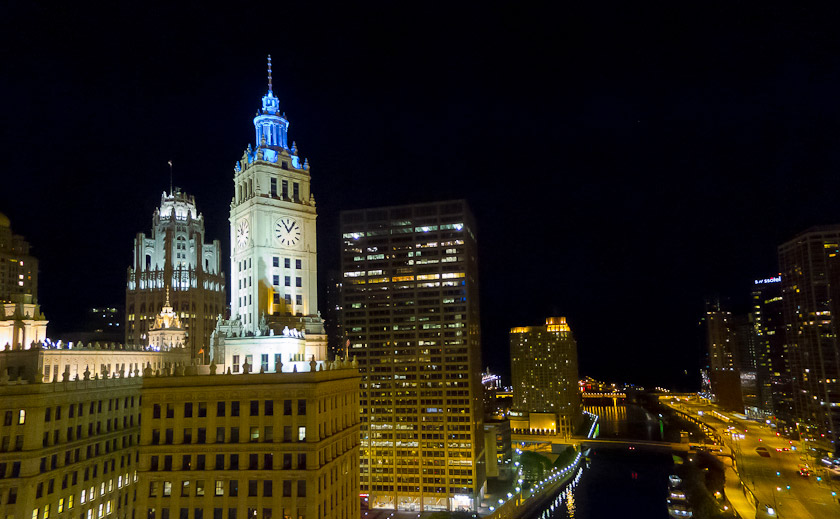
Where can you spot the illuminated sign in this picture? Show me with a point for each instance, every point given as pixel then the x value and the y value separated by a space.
pixel 776 279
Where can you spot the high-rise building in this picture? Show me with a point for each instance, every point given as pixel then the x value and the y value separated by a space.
pixel 411 315
pixel 810 268
pixel 772 350
pixel 18 269
pixel 723 357
pixel 544 369
pixel 175 258
pixel 274 272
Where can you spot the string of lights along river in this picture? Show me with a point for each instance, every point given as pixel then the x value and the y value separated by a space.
pixel 617 483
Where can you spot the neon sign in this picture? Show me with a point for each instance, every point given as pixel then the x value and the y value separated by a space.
pixel 775 279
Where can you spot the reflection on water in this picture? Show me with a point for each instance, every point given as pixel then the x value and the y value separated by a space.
pixel 616 482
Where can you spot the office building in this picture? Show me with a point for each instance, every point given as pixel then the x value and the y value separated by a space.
pixel 544 368
pixel 723 357
pixel 771 346
pixel 18 269
pixel 810 269
pixel 250 445
pixel 274 271
pixel 175 257
pixel 411 315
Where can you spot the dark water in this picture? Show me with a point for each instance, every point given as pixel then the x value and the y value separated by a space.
pixel 619 483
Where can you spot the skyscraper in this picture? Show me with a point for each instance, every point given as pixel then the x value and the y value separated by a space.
pixel 810 265
pixel 274 271
pixel 175 258
pixel 411 315
pixel 772 349
pixel 544 368
pixel 723 357
pixel 18 269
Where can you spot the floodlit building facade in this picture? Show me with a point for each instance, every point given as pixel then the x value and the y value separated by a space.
pixel 409 301
pixel 175 257
pixel 251 445
pixel 544 369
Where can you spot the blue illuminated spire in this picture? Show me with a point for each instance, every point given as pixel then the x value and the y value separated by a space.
pixel 269 123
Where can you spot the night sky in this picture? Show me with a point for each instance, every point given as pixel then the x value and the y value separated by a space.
pixel 623 162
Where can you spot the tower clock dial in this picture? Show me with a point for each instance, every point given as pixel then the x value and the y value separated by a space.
pixel 242 230
pixel 287 231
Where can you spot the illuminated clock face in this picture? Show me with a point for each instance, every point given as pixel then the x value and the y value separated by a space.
pixel 242 231
pixel 287 231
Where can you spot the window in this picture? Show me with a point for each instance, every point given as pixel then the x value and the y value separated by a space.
pixel 288 299
pixel 287 280
pixel 287 488
pixel 269 408
pixel 298 282
pixel 295 191
pixel 188 410
pixel 236 361
pixel 234 488
pixel 275 280
pixel 167 488
pixel 252 487
pixel 186 462
pixel 202 435
pixel 170 411
pixel 301 461
pixel 156 411
pixel 220 461
pixel 287 461
pixel 285 187
pixel 199 487
pixel 301 407
pixel 220 488
pixel 298 299
pixel 297 264
pixel 234 435
pixel 287 433
pixel 263 366
pixel 255 434
pixel 220 434
pixel 22 417
pixel 287 262
pixel 273 187
pixel 301 484
pixel 202 409
pixel 302 433
pixel 268 461
pixel 275 261
pixel 267 488
pixel 220 409
pixel 287 407
pixel 187 436
pixel 185 488
pixel 234 462
pixel 199 462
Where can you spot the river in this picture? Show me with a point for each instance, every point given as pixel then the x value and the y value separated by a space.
pixel 618 483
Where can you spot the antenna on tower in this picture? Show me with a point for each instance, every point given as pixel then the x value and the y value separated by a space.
pixel 170 178
pixel 269 73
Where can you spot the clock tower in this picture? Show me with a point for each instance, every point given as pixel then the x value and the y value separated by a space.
pixel 272 227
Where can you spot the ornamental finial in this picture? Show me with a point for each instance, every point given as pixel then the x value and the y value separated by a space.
pixel 269 73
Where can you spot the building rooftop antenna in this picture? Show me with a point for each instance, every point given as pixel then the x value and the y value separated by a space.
pixel 269 73
pixel 170 178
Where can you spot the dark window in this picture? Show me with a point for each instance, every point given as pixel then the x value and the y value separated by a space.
pixel 301 407
pixel 255 404
pixel 287 461
pixel 273 187
pixel 202 435
pixel 170 411
pixel 220 434
pixel 234 435
pixel 220 462
pixel 186 462
pixel 252 488
pixel 155 410
pixel 268 461
pixel 287 407
pixel 275 261
pixel 220 409
pixel 269 407
pixel 287 488
pixel 199 462
pixel 253 462
pixel 301 488
pixel 297 264
pixel 287 281
pixel 287 262
pixel 234 408
pixel 188 410
pixel 234 488
pixel 202 409
pixel 234 462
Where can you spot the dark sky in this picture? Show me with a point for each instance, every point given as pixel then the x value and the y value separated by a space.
pixel 623 161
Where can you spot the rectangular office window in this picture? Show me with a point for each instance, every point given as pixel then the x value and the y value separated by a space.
pixel 220 434
pixel 287 262
pixel 220 488
pixel 287 488
pixel 234 408
pixel 288 299
pixel 288 281
pixel 234 435
pixel 275 280
pixel 252 487
pixel 234 488
pixel 267 488
pixel 298 282
pixel 254 434
pixel 285 188
pixel 269 408
pixel 199 487
pixel 297 264
pixel 275 261
pixel 302 433
pixel 301 484
pixel 295 191
pixel 220 408
pixel 202 409
pixel 301 407
pixel 273 187
pixel 298 299
pixel 188 410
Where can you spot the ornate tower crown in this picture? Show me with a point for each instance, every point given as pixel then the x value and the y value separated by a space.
pixel 268 123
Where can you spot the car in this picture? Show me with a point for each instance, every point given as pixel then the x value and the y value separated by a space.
pixel 804 472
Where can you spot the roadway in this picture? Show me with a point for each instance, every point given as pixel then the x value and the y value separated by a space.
pixel 773 476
